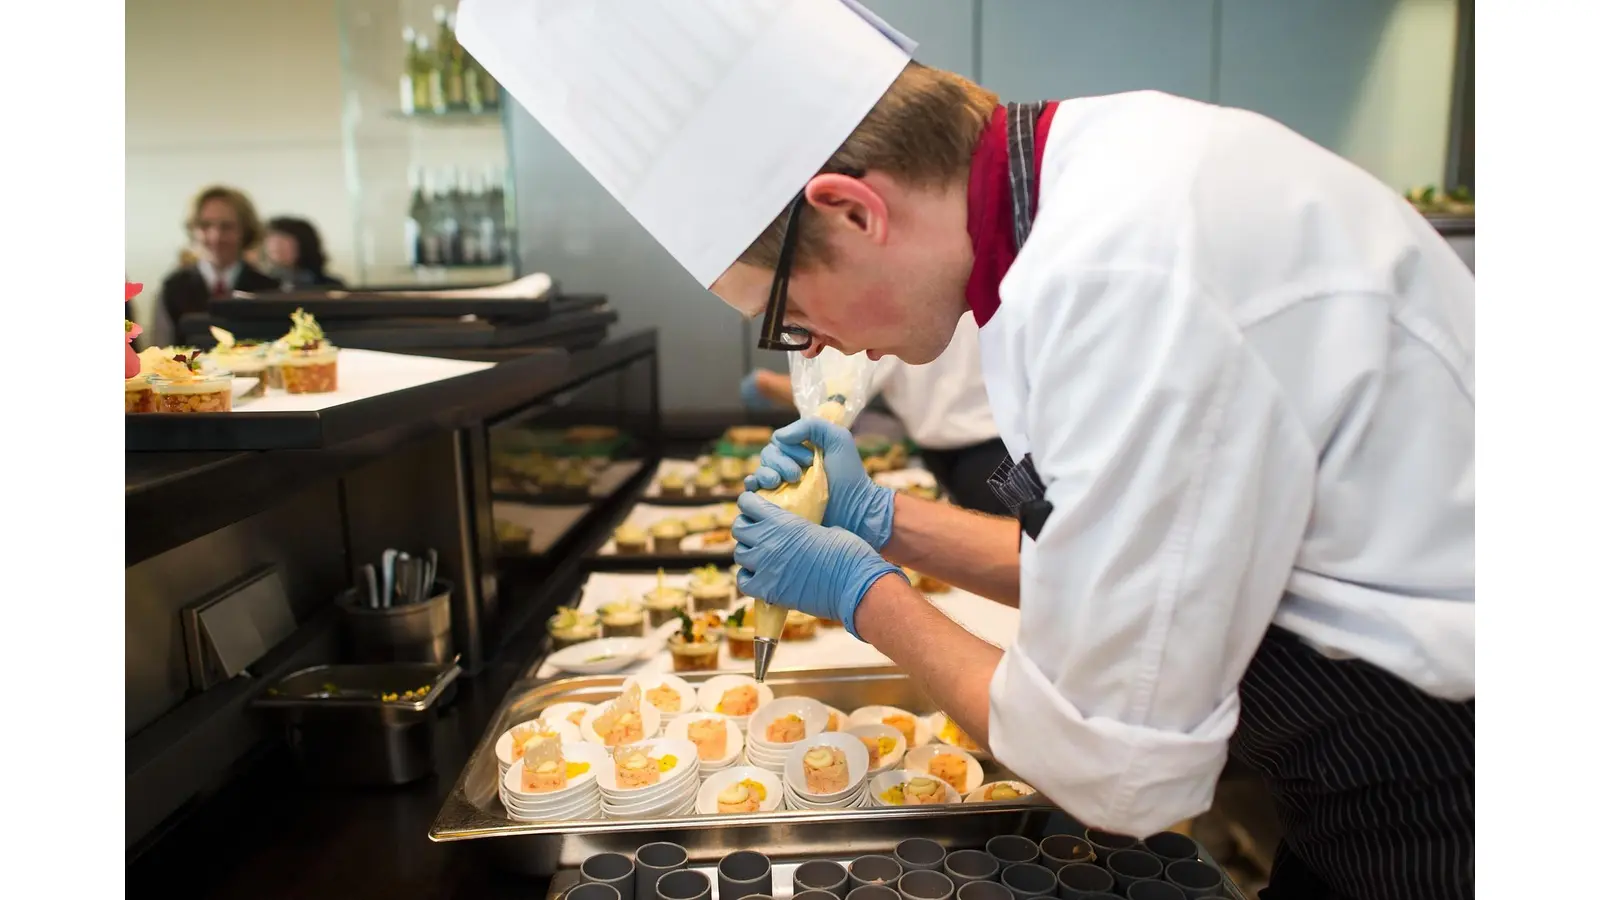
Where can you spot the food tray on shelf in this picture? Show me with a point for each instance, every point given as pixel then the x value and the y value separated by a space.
pixel 693 550
pixel 472 811
pixel 693 494
pixel 602 478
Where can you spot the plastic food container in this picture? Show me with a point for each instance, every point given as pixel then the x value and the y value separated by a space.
pixel 245 362
pixel 212 392
pixel 310 371
pixel 137 396
pixel 700 656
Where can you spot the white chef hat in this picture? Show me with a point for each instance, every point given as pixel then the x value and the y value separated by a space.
pixel 704 118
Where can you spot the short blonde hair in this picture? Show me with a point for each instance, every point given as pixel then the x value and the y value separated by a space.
pixel 922 131
pixel 249 223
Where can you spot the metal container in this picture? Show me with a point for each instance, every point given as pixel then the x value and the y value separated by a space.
pixel 343 731
pixel 415 632
pixel 472 810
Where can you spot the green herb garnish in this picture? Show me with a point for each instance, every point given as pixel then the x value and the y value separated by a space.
pixel 736 618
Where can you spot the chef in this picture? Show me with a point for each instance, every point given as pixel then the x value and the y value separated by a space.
pixel 943 407
pixel 1234 374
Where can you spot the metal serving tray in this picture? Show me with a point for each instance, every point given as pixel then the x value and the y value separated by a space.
pixel 472 810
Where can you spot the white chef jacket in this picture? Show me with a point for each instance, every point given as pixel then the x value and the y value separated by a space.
pixel 1244 369
pixel 942 404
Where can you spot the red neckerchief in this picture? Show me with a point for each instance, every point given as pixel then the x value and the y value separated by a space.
pixel 989 220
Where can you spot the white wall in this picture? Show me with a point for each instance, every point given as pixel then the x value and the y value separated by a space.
pixel 242 93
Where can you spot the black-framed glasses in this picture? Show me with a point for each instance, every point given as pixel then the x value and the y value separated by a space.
pixel 775 334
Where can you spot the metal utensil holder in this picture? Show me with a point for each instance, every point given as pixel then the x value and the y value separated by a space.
pixel 414 632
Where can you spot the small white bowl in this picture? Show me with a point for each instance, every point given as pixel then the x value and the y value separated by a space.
pixel 592 811
pixel 559 712
pixel 813 715
pixel 855 760
pixel 886 780
pixel 564 729
pixel 689 701
pixel 874 715
pixel 936 723
pixel 706 799
pixel 688 768
pixel 666 804
pixel 855 799
pixel 556 813
pixel 838 719
pixel 980 794
pixel 894 756
pixel 711 694
pixel 649 717
pixel 771 760
pixel 678 729
pixel 599 657
pixel 596 757
pixel 918 760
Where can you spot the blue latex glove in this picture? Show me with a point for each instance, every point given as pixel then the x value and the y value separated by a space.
pixel 754 400
pixel 856 503
pixel 791 562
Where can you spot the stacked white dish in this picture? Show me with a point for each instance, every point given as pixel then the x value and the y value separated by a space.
pixel 920 760
pixel 649 718
pixel 688 700
pixel 504 749
pixel 571 713
pixel 797 793
pixel 679 730
pixel 715 689
pixel 580 799
pixel 982 794
pixel 838 719
pixel 772 755
pixel 673 795
pixel 884 781
pixel 937 724
pixel 886 761
pixel 771 784
pixel 922 733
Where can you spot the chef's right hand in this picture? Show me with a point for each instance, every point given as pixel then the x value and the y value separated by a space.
pixel 856 503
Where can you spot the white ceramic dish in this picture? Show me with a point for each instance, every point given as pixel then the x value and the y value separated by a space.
pixel 885 761
pixel 663 805
pixel 561 711
pixel 856 799
pixel 978 795
pixel 649 717
pixel 936 723
pixel 711 694
pixel 596 757
pixel 838 719
pixel 687 768
pixel 564 729
pixel 771 760
pixel 588 812
pixel 874 715
pixel 813 715
pixel 599 657
pixel 855 759
pixel 706 799
pixel 886 780
pixel 678 729
pixel 918 760
pixel 689 700
pixel 586 802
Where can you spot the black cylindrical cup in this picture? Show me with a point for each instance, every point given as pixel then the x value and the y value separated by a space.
pixel 966 866
pixel 1172 846
pixel 743 873
pixel 926 884
pixel 1154 890
pixel 1012 849
pixel 1128 866
pixel 609 868
pixel 684 884
pixel 873 892
pixel 815 895
pixel 1105 843
pixel 821 875
pixel 983 890
pixel 593 891
pixel 1059 850
pixel 873 869
pixel 914 854
pixel 1194 878
pixel 1080 880
pixel 1026 880
pixel 653 861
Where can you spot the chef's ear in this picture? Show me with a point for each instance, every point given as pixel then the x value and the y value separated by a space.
pixel 849 207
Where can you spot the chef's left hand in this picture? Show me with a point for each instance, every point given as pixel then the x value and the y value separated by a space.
pixel 786 560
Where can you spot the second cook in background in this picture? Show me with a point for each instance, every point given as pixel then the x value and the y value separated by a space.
pixel 944 408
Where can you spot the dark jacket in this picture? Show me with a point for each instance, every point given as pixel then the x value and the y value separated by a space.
pixel 185 291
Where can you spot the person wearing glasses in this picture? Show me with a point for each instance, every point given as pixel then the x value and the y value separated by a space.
pixel 1234 374
pixel 943 407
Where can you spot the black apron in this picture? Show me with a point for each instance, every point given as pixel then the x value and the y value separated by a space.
pixel 1372 779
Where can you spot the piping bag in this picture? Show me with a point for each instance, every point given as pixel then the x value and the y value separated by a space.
pixel 834 387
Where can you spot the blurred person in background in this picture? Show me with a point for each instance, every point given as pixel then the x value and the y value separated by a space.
pixel 222 225
pixel 295 256
pixel 943 406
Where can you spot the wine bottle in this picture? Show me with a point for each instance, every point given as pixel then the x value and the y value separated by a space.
pixel 451 62
pixel 449 218
pixel 413 78
pixel 431 76
pixel 416 220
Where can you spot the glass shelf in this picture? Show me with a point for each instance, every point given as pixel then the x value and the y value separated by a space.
pixel 431 193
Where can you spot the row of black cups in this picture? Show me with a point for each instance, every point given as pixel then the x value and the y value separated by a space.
pixel 1098 865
